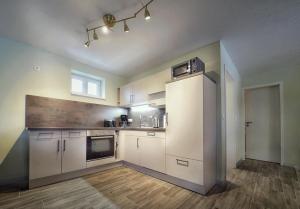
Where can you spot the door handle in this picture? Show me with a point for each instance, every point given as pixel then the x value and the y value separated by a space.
pixel 247 123
pixel 58 145
pixel 137 142
pixel 64 145
pixel 182 162
pixel 167 119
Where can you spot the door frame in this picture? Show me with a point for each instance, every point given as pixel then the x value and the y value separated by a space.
pixel 281 103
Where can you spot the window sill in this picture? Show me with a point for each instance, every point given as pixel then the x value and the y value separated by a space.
pixel 88 96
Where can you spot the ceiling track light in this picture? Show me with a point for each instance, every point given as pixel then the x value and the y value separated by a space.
pixel 147 14
pixel 126 28
pixel 110 21
pixel 95 36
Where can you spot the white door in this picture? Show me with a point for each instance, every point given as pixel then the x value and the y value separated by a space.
pixel 73 154
pixel 184 107
pixel 152 153
pixel 45 154
pixel 263 123
pixel 130 149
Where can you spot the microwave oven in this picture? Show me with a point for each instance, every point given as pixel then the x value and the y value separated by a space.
pixel 188 67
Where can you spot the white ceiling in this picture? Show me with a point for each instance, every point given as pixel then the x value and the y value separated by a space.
pixel 258 34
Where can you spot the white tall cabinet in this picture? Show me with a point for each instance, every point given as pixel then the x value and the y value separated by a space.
pixel 191 130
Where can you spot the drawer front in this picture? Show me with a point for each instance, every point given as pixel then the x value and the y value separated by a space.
pixel 45 134
pixel 74 134
pixel 145 133
pixel 186 169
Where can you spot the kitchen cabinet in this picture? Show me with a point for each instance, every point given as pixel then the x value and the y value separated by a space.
pixel 56 152
pixel 45 154
pixel 191 147
pixel 146 149
pixel 130 149
pixel 126 95
pixel 152 153
pixel 137 92
pixel 73 151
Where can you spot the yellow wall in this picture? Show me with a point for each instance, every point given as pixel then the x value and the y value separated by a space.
pixel 17 78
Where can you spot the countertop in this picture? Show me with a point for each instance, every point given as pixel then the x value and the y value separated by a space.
pixel 96 128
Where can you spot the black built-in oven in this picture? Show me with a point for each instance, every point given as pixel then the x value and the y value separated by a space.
pixel 100 146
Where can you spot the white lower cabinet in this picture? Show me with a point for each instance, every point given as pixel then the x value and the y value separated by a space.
pixel 73 152
pixel 183 168
pixel 56 152
pixel 45 154
pixel 130 149
pixel 152 153
pixel 146 149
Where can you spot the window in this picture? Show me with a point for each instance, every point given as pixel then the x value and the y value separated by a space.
pixel 87 85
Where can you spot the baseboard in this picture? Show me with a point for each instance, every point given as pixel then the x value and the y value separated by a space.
pixel 14 184
pixel 71 175
pixel 290 165
pixel 171 179
pixel 238 163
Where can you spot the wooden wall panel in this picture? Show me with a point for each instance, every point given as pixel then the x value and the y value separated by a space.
pixel 49 112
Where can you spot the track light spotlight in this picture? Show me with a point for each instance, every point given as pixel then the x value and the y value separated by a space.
pixel 87 44
pixel 147 14
pixel 126 28
pixel 95 36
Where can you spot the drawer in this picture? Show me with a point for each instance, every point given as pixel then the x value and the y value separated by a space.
pixel 45 134
pixel 145 133
pixel 186 169
pixel 74 134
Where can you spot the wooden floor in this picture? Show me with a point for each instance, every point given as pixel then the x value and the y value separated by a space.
pixel 254 185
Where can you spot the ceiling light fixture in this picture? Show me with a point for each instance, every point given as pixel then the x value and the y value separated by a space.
pixel 110 21
pixel 126 28
pixel 87 44
pixel 95 36
pixel 147 14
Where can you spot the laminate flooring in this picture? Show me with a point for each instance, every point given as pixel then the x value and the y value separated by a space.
pixel 253 185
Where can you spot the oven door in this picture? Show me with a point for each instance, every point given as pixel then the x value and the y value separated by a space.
pixel 100 147
pixel 181 70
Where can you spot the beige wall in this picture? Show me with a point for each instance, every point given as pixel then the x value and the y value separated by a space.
pixel 232 132
pixel 291 107
pixel 17 78
pixel 209 54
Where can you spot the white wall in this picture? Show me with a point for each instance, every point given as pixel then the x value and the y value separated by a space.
pixel 17 78
pixel 291 107
pixel 235 138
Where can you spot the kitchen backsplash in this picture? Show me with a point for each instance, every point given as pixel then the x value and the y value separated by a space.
pixel 146 118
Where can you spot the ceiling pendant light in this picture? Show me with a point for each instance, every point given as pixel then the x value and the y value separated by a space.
pixel 126 28
pixel 87 44
pixel 147 14
pixel 95 36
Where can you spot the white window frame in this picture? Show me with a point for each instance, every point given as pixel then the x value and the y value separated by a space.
pixel 85 78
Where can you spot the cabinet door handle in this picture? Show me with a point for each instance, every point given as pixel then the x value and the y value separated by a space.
pixel 137 142
pixel 64 145
pixel 151 133
pixel 182 162
pixel 58 145
pixel 167 119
